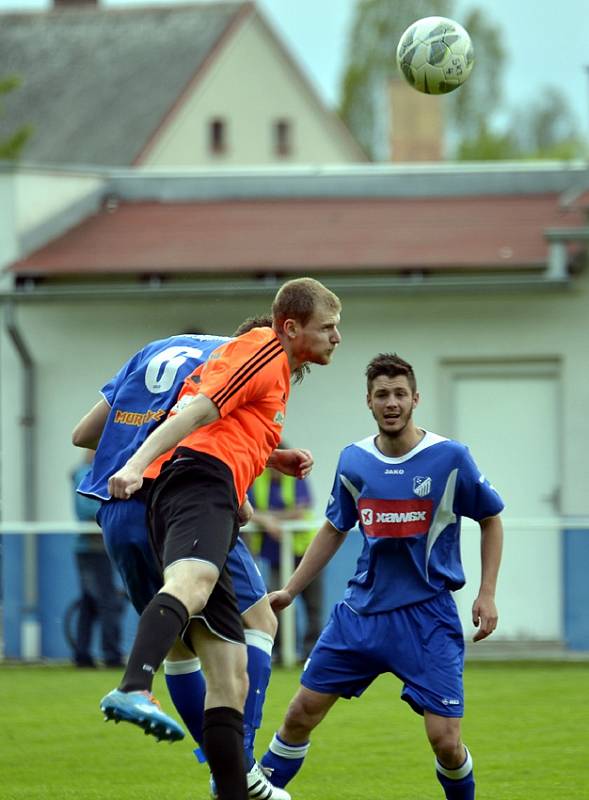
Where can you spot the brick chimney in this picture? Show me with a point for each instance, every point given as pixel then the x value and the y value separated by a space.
pixel 417 124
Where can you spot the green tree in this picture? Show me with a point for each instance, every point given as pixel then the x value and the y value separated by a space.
pixel 12 145
pixel 544 128
pixel 487 145
pixel 547 128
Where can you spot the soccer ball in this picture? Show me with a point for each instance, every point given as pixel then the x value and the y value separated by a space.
pixel 435 55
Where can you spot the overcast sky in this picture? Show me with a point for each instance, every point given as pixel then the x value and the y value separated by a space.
pixel 548 48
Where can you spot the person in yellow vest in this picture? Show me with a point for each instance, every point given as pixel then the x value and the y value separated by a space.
pixel 276 499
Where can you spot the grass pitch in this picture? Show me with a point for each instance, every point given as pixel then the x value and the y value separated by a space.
pixel 527 725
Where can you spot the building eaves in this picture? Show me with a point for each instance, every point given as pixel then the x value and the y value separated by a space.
pixel 356 181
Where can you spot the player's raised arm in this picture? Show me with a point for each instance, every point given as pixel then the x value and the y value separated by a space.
pixel 317 555
pixel 89 429
pixel 201 411
pixel 484 610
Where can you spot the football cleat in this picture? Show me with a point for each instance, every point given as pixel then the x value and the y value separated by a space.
pixel 142 709
pixel 258 786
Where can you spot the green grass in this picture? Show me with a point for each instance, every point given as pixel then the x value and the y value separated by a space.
pixel 527 726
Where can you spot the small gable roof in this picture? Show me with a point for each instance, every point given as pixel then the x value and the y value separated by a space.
pixel 97 82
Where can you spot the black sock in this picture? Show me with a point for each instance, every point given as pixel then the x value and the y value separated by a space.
pixel 160 624
pixel 223 745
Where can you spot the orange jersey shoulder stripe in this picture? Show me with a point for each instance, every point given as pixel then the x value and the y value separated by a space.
pixel 257 361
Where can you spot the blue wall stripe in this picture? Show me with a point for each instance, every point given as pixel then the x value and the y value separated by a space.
pixel 576 588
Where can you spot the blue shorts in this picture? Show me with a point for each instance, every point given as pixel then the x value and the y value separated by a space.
pixel 422 644
pixel 125 533
pixel 124 530
pixel 247 579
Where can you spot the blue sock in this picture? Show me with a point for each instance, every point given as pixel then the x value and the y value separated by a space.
pixel 458 784
pixel 259 667
pixel 187 688
pixel 283 760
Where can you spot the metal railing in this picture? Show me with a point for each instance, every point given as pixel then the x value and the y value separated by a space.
pixel 287 616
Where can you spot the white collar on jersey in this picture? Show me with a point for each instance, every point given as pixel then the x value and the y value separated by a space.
pixel 369 444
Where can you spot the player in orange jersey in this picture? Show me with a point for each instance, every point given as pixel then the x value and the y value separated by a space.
pixel 225 438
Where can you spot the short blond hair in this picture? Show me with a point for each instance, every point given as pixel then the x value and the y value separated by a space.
pixel 298 299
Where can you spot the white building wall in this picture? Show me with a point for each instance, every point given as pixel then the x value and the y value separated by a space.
pixel 11 452
pixel 30 197
pixel 42 194
pixel 8 216
pixel 77 347
pixel 427 330
pixel 250 85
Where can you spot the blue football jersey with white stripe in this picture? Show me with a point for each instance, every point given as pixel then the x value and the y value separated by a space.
pixel 140 396
pixel 408 510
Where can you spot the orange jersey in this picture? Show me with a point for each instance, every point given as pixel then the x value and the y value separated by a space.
pixel 248 379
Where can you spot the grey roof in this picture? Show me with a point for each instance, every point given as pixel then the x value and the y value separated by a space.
pixel 97 82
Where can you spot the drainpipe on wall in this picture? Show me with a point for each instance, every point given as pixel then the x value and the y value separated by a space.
pixel 558 239
pixel 30 627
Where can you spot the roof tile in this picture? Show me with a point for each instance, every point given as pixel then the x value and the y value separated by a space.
pixel 290 236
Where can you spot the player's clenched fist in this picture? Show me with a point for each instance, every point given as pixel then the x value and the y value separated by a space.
pixel 125 482
pixel 305 464
pixel 292 461
pixel 280 599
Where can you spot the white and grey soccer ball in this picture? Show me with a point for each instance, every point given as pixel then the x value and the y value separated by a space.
pixel 435 55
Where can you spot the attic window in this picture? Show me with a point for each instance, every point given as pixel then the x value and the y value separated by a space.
pixel 282 137
pixel 217 135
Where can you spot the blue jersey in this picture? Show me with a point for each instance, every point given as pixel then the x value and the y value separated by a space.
pixel 408 510
pixel 140 396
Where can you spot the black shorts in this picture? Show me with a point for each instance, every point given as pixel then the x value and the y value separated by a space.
pixel 193 516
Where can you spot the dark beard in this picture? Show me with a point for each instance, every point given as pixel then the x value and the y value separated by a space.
pixel 394 435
